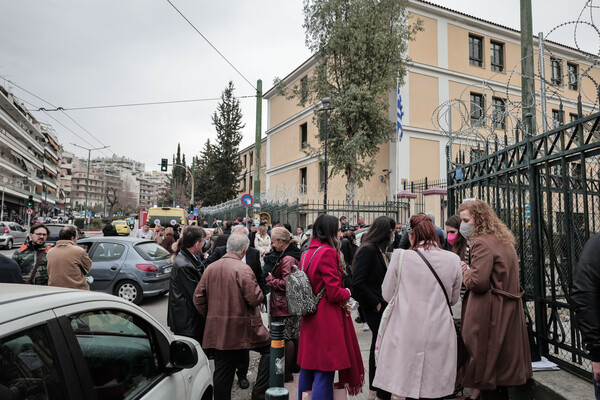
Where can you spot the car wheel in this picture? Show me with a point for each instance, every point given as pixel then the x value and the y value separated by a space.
pixel 130 291
pixel 9 244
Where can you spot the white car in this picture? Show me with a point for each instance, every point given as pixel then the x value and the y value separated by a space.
pixel 58 343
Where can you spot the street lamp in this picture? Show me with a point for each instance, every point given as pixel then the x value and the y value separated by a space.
pixel 325 104
pixel 87 179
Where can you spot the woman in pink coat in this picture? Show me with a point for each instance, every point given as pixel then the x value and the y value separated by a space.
pixel 417 356
pixel 327 338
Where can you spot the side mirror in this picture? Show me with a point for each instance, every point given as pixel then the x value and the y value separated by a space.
pixel 182 355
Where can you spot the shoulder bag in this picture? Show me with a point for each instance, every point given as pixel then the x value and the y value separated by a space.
pixel 386 313
pixel 462 353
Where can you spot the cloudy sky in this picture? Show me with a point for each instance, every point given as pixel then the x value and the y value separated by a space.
pixel 83 53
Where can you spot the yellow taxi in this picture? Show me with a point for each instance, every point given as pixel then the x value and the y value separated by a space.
pixel 122 227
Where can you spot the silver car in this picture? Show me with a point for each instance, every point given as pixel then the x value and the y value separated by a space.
pixel 12 234
pixel 128 267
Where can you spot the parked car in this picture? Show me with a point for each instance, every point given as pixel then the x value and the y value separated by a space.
pixel 12 234
pixel 122 227
pixel 58 343
pixel 128 267
pixel 55 229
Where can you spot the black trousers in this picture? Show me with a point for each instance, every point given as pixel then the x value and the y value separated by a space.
pixel 243 364
pixel 373 319
pixel 226 362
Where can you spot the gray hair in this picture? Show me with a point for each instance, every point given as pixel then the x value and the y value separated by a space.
pixel 240 229
pixel 237 243
pixel 431 217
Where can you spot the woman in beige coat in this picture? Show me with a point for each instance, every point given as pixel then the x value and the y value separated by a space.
pixel 493 320
pixel 417 356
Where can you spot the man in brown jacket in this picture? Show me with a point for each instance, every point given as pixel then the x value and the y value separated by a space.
pixel 68 264
pixel 228 297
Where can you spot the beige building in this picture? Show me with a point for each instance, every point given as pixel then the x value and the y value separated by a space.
pixel 246 180
pixel 463 83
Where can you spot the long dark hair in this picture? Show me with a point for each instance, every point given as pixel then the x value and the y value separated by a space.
pixel 460 243
pixel 379 233
pixel 326 228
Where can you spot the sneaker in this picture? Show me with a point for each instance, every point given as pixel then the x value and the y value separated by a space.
pixel 365 327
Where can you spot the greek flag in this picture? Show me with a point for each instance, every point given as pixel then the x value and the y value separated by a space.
pixel 399 115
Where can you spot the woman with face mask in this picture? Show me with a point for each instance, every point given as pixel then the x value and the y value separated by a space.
pixel 493 320
pixel 369 269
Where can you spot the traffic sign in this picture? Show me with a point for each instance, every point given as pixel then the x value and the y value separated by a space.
pixel 89 213
pixel 191 216
pixel 196 212
pixel 29 211
pixel 247 200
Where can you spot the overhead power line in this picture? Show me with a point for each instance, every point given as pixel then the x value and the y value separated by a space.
pixel 137 104
pixel 211 45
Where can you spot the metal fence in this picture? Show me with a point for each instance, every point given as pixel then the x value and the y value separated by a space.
pixel 546 189
pixel 304 213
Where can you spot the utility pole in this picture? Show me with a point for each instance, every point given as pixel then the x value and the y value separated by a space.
pixel 257 141
pixel 87 179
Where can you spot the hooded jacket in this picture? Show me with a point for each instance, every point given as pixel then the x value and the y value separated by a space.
pixel 278 278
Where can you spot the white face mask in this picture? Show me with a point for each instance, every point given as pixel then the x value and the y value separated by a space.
pixel 466 230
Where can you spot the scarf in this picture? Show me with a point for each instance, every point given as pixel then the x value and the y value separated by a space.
pixel 352 378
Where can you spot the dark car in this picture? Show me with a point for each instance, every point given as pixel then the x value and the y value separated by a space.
pixel 128 267
pixel 55 229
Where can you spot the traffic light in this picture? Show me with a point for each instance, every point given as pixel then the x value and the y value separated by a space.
pixel 30 201
pixel 164 164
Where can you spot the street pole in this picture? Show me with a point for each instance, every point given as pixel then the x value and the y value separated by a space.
pixel 542 82
pixel 193 170
pixel 87 179
pixel 326 102
pixel 257 141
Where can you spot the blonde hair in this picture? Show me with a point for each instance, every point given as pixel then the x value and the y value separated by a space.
pixel 169 231
pixel 282 234
pixel 262 230
pixel 486 222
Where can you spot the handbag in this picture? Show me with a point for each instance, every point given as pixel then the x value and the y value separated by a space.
pixel 462 354
pixel 387 312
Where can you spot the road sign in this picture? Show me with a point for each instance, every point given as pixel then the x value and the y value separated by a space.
pixel 247 200
pixel 29 211
pixel 89 213
pixel 196 212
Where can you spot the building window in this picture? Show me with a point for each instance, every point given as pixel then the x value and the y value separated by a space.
pixel 497 56
pixel 557 117
pixel 476 50
pixel 303 180
pixel 250 185
pixel 556 69
pixel 245 160
pixel 499 113
pixel 251 159
pixel 243 188
pixel 303 135
pixel 573 74
pixel 477 109
pixel 304 89
pixel 321 176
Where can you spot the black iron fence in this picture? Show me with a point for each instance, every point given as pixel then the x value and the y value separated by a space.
pixel 546 189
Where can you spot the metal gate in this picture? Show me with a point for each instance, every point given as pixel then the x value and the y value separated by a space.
pixel 546 189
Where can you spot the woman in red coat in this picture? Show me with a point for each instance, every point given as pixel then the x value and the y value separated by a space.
pixel 327 338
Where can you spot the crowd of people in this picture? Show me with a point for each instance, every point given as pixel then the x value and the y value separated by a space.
pixel 405 278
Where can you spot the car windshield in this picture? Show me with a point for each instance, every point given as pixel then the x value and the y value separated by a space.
pixel 120 223
pixel 152 251
pixel 54 229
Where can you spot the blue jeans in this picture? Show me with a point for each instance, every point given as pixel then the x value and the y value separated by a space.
pixel 320 382
pixel 597 389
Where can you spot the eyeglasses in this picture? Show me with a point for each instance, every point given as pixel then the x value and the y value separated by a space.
pixel 41 234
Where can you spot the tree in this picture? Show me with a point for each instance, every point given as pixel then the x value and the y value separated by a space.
pixel 206 189
pixel 225 163
pixel 360 48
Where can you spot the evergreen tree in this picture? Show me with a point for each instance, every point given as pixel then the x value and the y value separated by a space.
pixel 226 163
pixel 360 47
pixel 206 187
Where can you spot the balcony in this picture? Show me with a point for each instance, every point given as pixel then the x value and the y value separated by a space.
pixel 8 122
pixel 14 145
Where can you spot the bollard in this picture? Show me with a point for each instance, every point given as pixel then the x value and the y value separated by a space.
pixel 277 367
pixel 277 393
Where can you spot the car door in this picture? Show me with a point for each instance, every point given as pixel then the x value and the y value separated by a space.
pixel 121 353
pixel 107 261
pixel 16 233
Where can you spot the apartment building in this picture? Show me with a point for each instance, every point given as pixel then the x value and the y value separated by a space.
pixel 246 179
pixel 91 188
pixel 29 157
pixel 159 181
pixel 462 86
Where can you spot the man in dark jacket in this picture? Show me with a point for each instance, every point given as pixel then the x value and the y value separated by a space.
pixel 182 317
pixel 109 230
pixel 252 258
pixel 585 298
pixel 31 256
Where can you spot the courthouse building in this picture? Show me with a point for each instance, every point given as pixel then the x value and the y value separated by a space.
pixel 463 81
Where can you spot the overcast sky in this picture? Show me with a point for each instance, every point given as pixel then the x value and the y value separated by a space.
pixel 80 53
